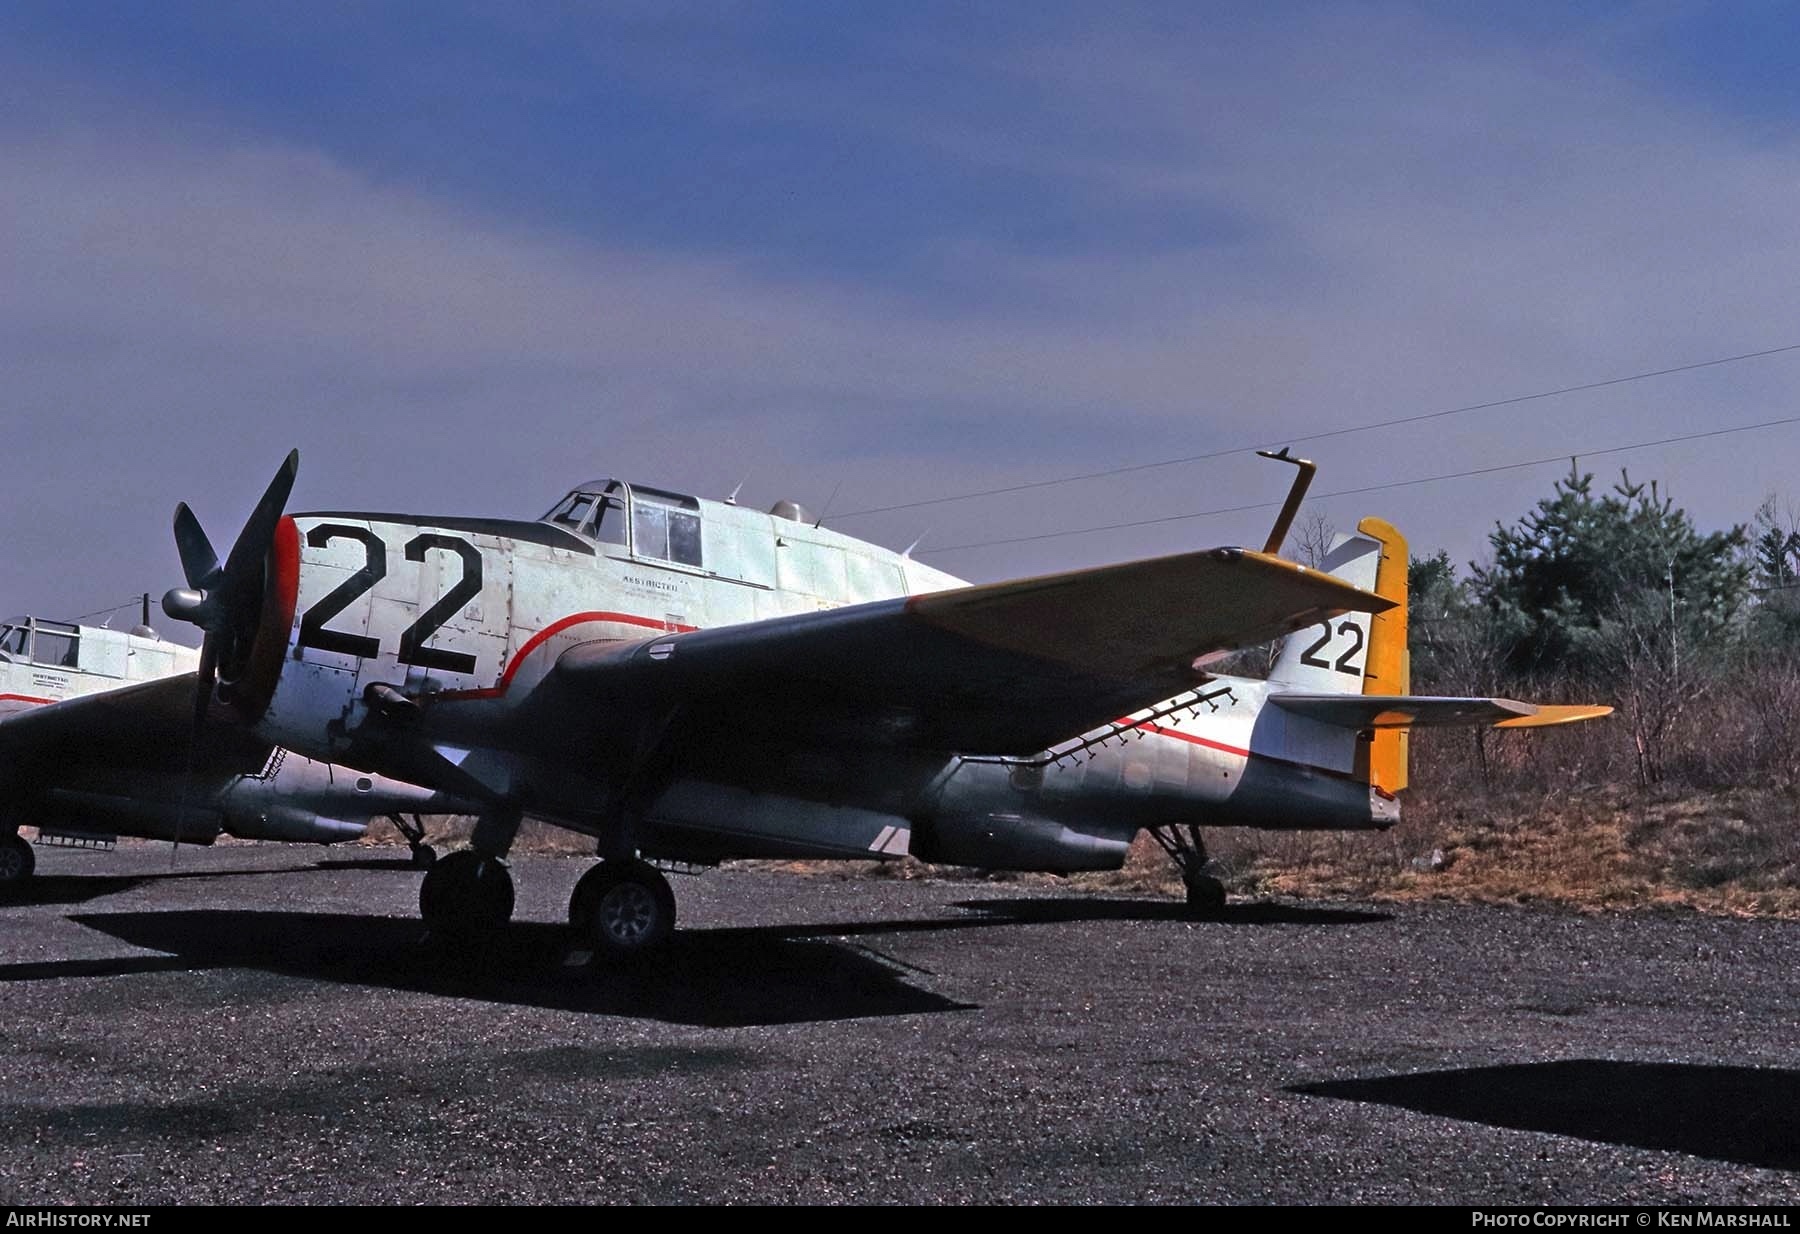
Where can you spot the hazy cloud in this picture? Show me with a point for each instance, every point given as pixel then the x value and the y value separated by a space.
pixel 1264 228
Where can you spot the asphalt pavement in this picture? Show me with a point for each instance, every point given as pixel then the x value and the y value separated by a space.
pixel 269 1023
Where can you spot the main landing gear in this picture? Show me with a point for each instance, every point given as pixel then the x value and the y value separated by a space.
pixel 423 855
pixel 469 894
pixel 466 895
pixel 17 861
pixel 1205 894
pixel 622 908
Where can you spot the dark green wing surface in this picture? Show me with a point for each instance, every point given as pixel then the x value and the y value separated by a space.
pixel 1001 668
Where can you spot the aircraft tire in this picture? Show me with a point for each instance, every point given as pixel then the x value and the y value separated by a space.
pixel 623 909
pixel 423 856
pixel 466 894
pixel 1205 897
pixel 17 861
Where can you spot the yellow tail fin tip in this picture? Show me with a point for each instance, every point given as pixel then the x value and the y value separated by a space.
pixel 1388 667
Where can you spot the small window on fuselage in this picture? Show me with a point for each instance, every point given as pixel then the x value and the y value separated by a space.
pixel 574 511
pixel 56 647
pixel 609 527
pixel 666 527
pixel 684 537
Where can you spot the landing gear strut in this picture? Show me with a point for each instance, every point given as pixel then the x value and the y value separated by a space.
pixel 1205 894
pixel 17 861
pixel 623 908
pixel 423 855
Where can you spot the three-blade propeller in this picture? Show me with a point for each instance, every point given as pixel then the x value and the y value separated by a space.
pixel 226 601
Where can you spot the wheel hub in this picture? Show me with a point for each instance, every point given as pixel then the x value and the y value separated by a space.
pixel 628 913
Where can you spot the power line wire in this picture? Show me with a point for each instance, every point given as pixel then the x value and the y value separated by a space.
pixel 107 612
pixel 1367 488
pixel 1324 435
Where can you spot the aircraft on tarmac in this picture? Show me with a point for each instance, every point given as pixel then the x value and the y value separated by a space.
pixel 688 681
pixel 87 775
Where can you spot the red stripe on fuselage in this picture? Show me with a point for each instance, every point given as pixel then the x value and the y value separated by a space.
pixel 550 631
pixel 1210 744
pixel 1190 738
pixel 23 698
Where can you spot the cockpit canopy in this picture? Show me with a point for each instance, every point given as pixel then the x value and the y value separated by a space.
pixel 55 643
pixel 646 522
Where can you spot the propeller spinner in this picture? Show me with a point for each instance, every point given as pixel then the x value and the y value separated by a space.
pixel 226 600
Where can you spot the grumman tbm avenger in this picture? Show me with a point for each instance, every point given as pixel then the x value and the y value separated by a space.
pixel 84 767
pixel 688 681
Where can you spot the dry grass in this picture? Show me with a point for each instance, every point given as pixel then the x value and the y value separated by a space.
pixel 1732 851
pixel 453 832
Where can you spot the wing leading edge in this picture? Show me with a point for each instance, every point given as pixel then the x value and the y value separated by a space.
pixel 1001 668
pixel 149 725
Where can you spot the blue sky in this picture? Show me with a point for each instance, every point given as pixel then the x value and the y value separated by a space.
pixel 463 255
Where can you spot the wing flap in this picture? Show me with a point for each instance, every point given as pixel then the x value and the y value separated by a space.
pixel 999 668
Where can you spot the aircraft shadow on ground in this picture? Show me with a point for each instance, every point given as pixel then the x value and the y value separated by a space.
pixel 720 977
pixel 711 978
pixel 80 888
pixel 1746 1115
pixel 1047 910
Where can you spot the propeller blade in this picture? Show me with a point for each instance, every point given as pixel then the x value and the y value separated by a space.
pixel 223 601
pixel 199 564
pixel 259 529
pixel 203 682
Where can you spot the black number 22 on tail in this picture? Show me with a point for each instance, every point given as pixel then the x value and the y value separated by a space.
pixel 1344 662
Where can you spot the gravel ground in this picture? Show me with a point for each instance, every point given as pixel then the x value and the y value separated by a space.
pixel 263 1024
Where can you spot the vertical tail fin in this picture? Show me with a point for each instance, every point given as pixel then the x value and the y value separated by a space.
pixel 1389 665
pixel 1357 653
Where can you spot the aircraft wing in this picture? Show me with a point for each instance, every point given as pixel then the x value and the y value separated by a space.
pixel 148 725
pixel 1003 668
pixel 1362 711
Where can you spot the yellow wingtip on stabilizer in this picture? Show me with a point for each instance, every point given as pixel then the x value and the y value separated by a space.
pixel 1556 714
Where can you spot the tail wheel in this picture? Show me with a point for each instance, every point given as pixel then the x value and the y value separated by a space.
pixel 623 908
pixel 1205 897
pixel 17 861
pixel 1182 842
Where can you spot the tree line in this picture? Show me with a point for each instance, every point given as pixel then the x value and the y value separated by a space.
pixel 1613 595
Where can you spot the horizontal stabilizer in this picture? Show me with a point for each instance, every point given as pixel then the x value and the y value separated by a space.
pixel 1366 711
